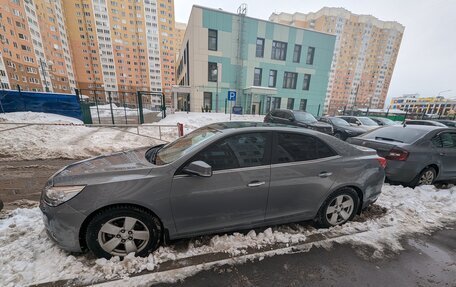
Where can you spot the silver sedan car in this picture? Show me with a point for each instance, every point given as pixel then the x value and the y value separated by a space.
pixel 219 178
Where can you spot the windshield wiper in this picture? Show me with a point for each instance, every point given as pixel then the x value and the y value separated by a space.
pixel 388 139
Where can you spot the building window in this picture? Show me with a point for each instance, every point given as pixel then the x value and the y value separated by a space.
pixel 306 82
pixel 272 78
pixel 257 77
pixel 290 103
pixel 212 40
pixel 212 72
pixel 207 102
pixel 303 105
pixel 297 54
pixel 310 56
pixel 279 51
pixel 259 48
pixel 289 80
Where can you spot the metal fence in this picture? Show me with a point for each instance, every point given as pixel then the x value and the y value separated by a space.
pixel 112 107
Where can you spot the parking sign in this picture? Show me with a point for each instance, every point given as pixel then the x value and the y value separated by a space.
pixel 232 96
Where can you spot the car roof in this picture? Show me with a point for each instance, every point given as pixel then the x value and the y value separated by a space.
pixel 416 127
pixel 229 127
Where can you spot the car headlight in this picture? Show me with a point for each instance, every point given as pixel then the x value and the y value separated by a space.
pixel 56 195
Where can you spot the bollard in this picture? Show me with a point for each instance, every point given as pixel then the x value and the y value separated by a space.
pixel 180 129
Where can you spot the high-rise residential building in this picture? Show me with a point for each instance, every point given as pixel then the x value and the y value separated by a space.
pixel 166 23
pixel 364 56
pixel 179 29
pixel 269 65
pixel 34 47
pixel 115 46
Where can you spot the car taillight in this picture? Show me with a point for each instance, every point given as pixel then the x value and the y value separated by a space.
pixel 382 162
pixel 397 154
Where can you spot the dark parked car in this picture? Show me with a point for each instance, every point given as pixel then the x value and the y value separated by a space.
pixel 448 123
pixel 342 129
pixel 384 121
pixel 299 119
pixel 415 154
pixel 424 123
pixel 218 178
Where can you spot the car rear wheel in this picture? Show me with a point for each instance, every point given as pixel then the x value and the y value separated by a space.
pixel 426 177
pixel 339 207
pixel 118 231
pixel 339 136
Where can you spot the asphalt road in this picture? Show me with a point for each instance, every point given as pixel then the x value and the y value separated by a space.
pixel 426 261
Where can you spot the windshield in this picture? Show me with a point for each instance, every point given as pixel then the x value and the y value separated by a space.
pixel 183 145
pixel 305 117
pixel 339 122
pixel 386 121
pixel 396 133
pixel 367 122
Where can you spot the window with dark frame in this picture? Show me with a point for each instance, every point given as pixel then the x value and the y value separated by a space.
pixel 212 72
pixel 297 147
pixel 257 76
pixel 279 51
pixel 303 105
pixel 289 80
pixel 212 40
pixel 310 55
pixel 259 48
pixel 297 54
pixel 306 82
pixel 272 78
pixel 290 103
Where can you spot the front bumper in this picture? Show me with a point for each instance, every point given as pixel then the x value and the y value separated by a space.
pixel 63 224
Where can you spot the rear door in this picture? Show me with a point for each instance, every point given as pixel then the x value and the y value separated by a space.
pixel 447 153
pixel 303 171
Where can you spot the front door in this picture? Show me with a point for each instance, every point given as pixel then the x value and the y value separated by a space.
pixel 235 195
pixel 302 172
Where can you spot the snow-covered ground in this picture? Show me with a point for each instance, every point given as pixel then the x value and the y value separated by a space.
pixel 105 111
pixel 76 142
pixel 28 256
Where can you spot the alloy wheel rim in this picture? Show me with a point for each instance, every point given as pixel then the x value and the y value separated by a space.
pixel 340 209
pixel 123 235
pixel 426 178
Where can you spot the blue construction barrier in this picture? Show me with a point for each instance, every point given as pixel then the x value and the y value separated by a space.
pixel 55 103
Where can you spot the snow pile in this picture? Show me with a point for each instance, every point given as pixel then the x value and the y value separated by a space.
pixel 28 256
pixel 32 117
pixel 105 111
pixel 195 120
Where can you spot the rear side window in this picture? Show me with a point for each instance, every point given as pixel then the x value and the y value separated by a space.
pixel 297 147
pixel 445 140
pixel 244 150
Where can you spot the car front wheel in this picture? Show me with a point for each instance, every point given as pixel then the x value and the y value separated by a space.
pixel 339 207
pixel 119 231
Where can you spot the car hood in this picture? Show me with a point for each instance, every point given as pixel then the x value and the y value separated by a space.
pixel 113 167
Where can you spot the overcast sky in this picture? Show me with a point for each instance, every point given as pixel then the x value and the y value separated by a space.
pixel 427 57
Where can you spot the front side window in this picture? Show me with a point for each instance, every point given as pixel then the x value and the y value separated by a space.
pixel 212 40
pixel 244 150
pixel 310 56
pixel 306 82
pixel 293 147
pixel 289 80
pixel 257 77
pixel 279 50
pixel 297 54
pixel 272 78
pixel 212 75
pixel 259 53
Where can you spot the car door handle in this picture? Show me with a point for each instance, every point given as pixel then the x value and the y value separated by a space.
pixel 442 153
pixel 325 174
pixel 256 183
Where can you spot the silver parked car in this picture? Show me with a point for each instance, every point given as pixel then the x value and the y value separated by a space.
pixel 415 154
pixel 219 178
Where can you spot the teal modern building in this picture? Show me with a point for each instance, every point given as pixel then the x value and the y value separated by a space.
pixel 269 65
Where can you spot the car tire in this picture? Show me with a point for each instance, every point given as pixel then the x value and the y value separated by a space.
pixel 340 207
pixel 425 177
pixel 120 230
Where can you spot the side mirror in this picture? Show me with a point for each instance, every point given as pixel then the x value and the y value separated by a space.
pixel 291 119
pixel 199 168
pixel 358 123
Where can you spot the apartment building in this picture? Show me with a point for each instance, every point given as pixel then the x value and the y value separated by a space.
pixel 34 46
pixel 166 24
pixel 179 29
pixel 269 65
pixel 365 54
